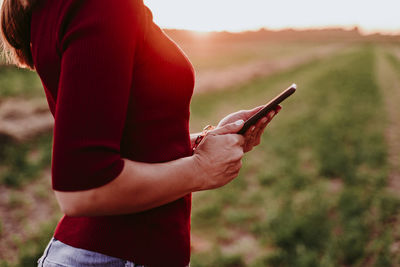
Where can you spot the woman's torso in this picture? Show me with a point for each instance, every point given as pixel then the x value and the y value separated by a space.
pixel 156 129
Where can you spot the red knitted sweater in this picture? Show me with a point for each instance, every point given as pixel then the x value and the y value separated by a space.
pixel 117 87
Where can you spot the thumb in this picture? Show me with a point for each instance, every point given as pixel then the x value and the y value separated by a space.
pixel 230 128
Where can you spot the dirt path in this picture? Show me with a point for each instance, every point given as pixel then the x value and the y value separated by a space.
pixel 23 212
pixel 22 119
pixel 389 81
pixel 214 79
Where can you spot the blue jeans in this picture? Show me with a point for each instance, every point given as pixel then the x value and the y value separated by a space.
pixel 58 254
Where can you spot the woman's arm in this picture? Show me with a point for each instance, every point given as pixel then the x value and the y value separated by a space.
pixel 139 187
pixel 142 186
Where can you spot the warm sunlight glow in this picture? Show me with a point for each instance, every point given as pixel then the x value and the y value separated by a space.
pixel 201 34
pixel 235 15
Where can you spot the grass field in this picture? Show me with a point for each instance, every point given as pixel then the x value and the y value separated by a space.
pixel 316 192
pixel 19 83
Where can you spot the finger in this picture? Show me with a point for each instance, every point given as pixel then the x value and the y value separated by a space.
pixel 260 130
pixel 248 148
pixel 235 167
pixel 234 140
pixel 246 114
pixel 237 164
pixel 261 125
pixel 251 112
pixel 271 114
pixel 257 139
pixel 249 135
pixel 263 121
pixel 255 110
pixel 253 135
pixel 230 128
pixel 257 133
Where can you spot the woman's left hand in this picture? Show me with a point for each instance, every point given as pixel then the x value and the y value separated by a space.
pixel 253 134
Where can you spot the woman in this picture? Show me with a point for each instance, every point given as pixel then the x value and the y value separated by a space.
pixel 123 166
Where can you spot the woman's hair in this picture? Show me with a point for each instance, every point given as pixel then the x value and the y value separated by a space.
pixel 15 31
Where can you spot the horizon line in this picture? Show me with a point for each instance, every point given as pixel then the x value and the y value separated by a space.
pixel 359 29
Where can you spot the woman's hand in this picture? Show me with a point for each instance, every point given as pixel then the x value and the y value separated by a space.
pixel 219 156
pixel 253 134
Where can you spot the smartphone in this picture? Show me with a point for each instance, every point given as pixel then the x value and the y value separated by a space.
pixel 271 105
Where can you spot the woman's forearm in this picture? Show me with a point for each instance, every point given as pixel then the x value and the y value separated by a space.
pixel 139 187
pixel 142 186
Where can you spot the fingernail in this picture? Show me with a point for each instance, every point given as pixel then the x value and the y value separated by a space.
pixel 252 128
pixel 239 122
pixel 264 120
pixel 271 115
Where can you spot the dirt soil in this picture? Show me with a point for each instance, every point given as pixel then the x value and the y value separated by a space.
pixel 390 83
pixel 22 119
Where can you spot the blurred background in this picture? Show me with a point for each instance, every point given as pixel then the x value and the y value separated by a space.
pixel 323 187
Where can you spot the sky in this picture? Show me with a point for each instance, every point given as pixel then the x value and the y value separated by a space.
pixel 237 15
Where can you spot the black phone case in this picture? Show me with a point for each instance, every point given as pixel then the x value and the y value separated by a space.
pixel 271 105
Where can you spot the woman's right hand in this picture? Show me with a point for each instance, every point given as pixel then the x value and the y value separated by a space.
pixel 219 156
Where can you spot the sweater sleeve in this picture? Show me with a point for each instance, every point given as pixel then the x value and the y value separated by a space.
pixel 97 44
